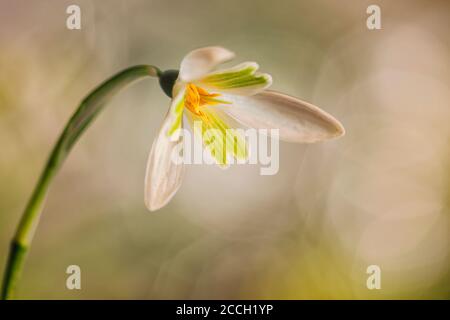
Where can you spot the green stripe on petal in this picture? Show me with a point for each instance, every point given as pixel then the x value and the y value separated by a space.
pixel 234 139
pixel 175 125
pixel 222 141
pixel 242 70
pixel 251 80
pixel 211 137
pixel 176 110
pixel 214 139
pixel 242 79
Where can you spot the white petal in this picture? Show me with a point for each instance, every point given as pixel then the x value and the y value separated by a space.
pixel 163 177
pixel 298 121
pixel 199 62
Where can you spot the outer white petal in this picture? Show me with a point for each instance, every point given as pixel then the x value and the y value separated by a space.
pixel 199 62
pixel 163 177
pixel 298 121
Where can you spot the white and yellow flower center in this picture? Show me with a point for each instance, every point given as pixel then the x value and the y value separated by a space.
pixel 195 98
pixel 215 126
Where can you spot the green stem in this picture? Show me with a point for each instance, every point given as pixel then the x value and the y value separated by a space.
pixel 80 120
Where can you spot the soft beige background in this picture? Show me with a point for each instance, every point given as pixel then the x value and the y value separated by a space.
pixel 380 195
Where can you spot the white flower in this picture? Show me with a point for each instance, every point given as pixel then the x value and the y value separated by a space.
pixel 219 98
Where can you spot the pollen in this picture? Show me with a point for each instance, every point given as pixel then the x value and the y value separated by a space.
pixel 196 98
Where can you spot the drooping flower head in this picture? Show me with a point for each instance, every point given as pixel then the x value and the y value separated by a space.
pixel 219 99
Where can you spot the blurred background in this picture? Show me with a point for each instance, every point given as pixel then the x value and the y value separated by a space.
pixel 380 195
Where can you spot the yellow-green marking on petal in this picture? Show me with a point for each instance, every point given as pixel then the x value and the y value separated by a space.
pixel 234 140
pixel 177 112
pixel 241 76
pixel 222 141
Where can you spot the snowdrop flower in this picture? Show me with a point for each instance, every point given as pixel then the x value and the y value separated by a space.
pixel 220 99
pixel 217 100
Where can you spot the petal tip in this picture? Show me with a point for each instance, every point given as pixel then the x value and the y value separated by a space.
pixel 153 202
pixel 202 60
pixel 224 53
pixel 334 129
pixel 339 130
pixel 268 79
pixel 151 206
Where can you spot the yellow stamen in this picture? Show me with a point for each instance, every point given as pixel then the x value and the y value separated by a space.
pixel 197 97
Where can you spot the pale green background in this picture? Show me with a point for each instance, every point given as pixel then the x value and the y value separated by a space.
pixel 380 195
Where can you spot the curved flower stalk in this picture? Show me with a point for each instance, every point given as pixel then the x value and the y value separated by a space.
pixel 89 108
pixel 219 99
pixel 216 99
